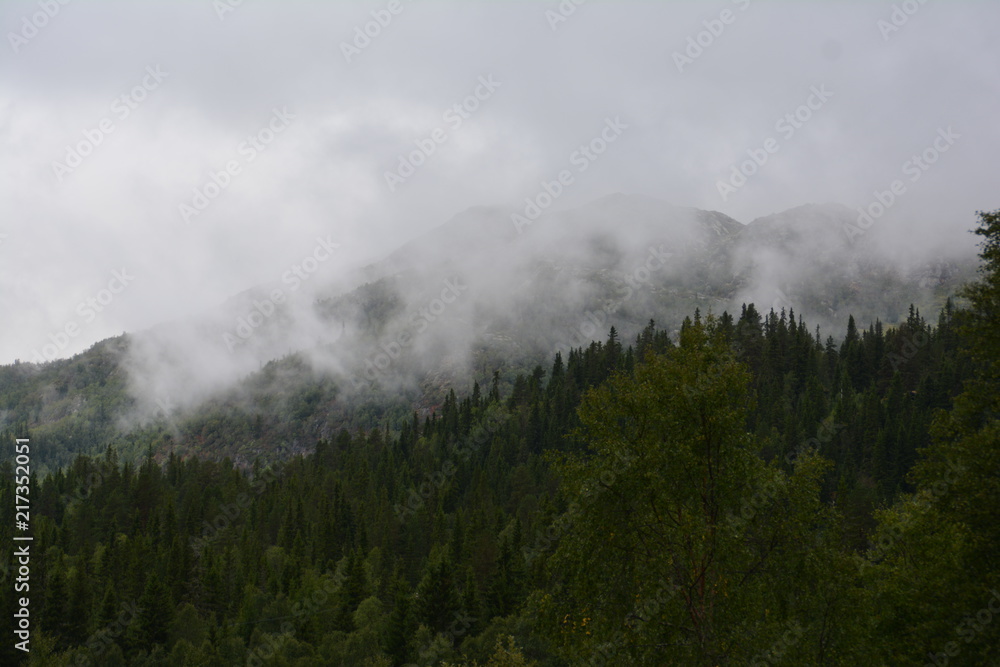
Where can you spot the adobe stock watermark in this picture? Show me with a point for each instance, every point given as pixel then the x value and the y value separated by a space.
pixel 563 523
pixel 229 513
pixel 459 627
pixel 31 25
pixel 562 13
pixel 899 17
pixel 641 615
pixel 84 489
pixel 585 155
pixel 769 491
pixel 477 437
pixel 888 537
pixel 787 126
pixel 88 310
pixel 454 116
pixel 824 435
pixel 301 610
pixel 635 280
pixel 781 302
pixel 121 108
pixel 223 7
pixel 909 349
pixel 101 641
pixel 968 629
pixel 698 44
pixel 166 404
pixel 249 149
pixel 294 277
pixel 364 34
pixel 776 653
pixel 915 168
pixel 378 364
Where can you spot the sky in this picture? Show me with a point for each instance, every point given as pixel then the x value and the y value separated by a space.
pixel 157 158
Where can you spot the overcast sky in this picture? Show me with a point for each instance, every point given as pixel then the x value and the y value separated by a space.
pixel 183 85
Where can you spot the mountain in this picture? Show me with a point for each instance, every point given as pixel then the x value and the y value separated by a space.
pixel 473 296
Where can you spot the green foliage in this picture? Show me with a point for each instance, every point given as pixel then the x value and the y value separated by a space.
pixel 745 493
pixel 935 571
pixel 684 546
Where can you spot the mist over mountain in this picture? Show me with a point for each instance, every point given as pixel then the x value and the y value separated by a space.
pixel 387 333
pixel 476 294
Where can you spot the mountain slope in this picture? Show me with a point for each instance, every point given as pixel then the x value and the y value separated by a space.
pixel 470 297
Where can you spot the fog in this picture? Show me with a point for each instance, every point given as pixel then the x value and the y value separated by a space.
pixel 169 168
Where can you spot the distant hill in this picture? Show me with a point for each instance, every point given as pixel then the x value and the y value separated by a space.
pixel 471 297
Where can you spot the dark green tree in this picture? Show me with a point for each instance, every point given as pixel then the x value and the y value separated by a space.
pixel 156 612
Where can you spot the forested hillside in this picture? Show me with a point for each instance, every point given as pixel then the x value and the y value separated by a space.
pixel 365 351
pixel 745 493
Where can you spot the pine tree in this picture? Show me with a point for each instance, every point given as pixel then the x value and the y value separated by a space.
pixel 399 627
pixel 437 599
pixel 78 612
pixel 156 611
pixel 934 561
pixel 54 613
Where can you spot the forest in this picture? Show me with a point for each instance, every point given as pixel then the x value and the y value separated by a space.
pixel 746 492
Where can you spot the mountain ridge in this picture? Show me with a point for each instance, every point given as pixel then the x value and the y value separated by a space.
pixel 395 338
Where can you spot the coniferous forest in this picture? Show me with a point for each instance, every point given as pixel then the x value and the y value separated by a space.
pixel 747 492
